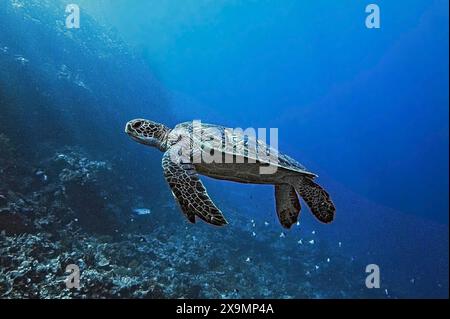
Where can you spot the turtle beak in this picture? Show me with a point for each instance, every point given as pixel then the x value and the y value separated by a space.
pixel 128 128
pixel 129 131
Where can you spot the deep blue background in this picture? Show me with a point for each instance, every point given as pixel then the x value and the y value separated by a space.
pixel 366 109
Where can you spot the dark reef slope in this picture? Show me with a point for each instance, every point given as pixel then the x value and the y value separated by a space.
pixel 62 86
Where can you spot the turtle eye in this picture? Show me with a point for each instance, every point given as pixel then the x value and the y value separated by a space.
pixel 136 125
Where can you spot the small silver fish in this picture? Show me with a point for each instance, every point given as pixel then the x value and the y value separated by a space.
pixel 142 211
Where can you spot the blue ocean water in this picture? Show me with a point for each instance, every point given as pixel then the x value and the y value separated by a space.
pixel 365 109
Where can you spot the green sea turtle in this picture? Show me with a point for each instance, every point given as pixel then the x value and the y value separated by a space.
pixel 193 148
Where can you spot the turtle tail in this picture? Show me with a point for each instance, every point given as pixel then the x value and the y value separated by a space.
pixel 316 198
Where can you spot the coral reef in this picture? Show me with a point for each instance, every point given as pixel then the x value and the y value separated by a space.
pixel 71 209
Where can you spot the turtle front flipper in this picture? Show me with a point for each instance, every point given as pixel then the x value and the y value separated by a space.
pixel 288 205
pixel 189 191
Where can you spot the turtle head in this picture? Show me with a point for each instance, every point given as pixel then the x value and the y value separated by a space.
pixel 148 133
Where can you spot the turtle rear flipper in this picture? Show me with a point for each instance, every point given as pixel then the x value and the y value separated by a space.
pixel 315 197
pixel 288 205
pixel 189 191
